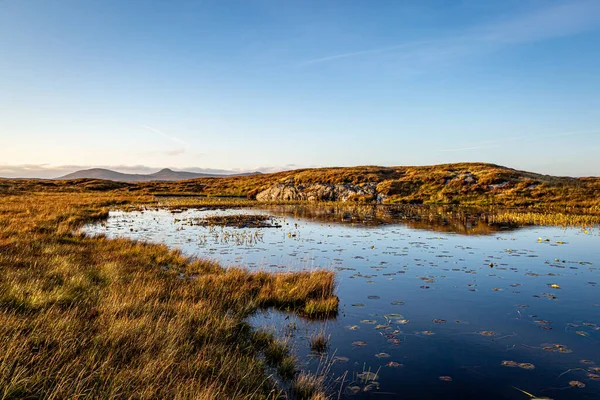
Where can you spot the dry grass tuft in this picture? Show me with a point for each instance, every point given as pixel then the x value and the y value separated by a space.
pixel 309 386
pixel 319 342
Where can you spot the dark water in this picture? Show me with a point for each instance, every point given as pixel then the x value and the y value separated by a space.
pixel 434 314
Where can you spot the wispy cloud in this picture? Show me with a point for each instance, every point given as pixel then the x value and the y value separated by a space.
pixel 565 19
pixel 171 152
pixel 357 54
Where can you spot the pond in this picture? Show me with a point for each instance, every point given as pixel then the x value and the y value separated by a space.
pixel 427 309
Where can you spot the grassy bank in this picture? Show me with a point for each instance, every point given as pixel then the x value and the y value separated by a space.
pixel 85 317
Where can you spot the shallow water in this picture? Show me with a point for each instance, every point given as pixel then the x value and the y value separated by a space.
pixel 451 309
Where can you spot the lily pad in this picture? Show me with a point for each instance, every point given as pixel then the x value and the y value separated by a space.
pixel 394 364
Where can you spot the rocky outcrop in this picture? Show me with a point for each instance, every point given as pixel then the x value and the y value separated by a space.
pixel 320 192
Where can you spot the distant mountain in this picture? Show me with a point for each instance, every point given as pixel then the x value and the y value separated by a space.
pixel 165 174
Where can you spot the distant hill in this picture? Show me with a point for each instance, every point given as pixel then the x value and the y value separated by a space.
pixel 165 174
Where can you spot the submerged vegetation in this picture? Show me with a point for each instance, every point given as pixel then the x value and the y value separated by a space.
pixel 90 317
pixel 236 221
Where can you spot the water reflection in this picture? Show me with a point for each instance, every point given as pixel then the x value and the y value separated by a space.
pixel 465 221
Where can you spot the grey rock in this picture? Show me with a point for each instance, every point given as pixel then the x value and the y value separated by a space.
pixel 319 192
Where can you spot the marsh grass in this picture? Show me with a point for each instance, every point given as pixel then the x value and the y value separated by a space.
pixel 89 317
pixel 319 342
pixel 309 386
pixel 236 221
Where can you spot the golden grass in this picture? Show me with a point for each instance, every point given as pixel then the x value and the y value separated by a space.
pixel 461 183
pixel 309 386
pixel 84 317
pixel 96 318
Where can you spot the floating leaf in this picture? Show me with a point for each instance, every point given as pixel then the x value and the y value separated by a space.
pixel 341 359
pixel 526 366
pixel 402 321
pixel 439 321
pixel 510 363
pixel 394 364
pixel 445 378
pixel 368 321
pixel 368 376
pixel 428 333
pixel 554 286
pixel 353 327
pixel 371 386
pixel 354 389
pixel 359 343
pixel 556 348
pixel 382 355
pixel 394 341
pixel 487 333
pixel 577 384
pixel 393 315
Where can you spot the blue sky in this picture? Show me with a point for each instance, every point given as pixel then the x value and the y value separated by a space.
pixel 273 84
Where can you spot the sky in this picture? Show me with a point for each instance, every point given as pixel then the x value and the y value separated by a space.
pixel 267 85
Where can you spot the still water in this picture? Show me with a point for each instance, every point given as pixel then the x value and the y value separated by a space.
pixel 425 312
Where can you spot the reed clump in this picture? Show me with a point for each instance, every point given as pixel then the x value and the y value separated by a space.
pixel 309 386
pixel 89 317
pixel 319 342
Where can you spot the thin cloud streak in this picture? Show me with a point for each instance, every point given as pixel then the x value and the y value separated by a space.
pixel 173 138
pixel 358 53
pixel 557 21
